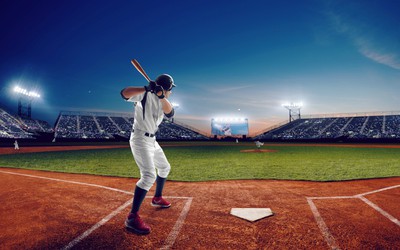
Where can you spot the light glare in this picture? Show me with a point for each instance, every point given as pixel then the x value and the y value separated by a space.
pixel 229 119
pixel 23 91
pixel 293 105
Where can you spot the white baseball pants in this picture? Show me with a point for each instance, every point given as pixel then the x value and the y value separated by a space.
pixel 149 157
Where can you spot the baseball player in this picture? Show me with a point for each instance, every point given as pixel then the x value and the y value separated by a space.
pixel 259 144
pixel 151 106
pixel 16 147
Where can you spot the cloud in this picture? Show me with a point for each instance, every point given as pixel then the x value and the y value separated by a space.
pixel 383 58
pixel 363 41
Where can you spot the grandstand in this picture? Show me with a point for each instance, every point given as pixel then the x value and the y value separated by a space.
pixel 113 126
pixel 101 126
pixel 354 127
pixel 15 127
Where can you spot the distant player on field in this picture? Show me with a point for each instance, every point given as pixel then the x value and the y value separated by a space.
pixel 259 144
pixel 16 147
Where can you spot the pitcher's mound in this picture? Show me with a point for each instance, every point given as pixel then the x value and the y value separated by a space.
pixel 258 151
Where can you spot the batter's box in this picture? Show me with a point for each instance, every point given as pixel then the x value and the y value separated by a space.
pixel 331 241
pixel 168 242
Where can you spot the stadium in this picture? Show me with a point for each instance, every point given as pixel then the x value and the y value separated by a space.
pixel 80 126
pixel 84 150
pixel 272 125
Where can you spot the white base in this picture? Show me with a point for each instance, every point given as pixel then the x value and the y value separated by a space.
pixel 251 214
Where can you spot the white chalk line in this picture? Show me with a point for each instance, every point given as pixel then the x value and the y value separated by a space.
pixel 168 242
pixel 379 190
pixel 380 210
pixel 67 181
pixel 97 225
pixel 330 240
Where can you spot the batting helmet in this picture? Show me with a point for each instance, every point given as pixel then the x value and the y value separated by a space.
pixel 165 81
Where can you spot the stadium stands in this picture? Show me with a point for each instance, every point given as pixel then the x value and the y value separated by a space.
pixel 356 128
pixel 14 127
pixel 113 126
pixel 172 131
pixel 76 126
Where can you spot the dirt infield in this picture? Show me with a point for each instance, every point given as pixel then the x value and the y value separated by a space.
pixel 46 210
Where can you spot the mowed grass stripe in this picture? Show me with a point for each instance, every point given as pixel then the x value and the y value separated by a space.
pixel 226 162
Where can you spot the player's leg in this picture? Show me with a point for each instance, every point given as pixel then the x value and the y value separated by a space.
pixel 163 168
pixel 143 153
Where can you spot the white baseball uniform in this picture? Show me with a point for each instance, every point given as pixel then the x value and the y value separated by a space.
pixel 146 151
pixel 259 144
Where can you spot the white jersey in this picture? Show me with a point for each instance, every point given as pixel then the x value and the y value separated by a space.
pixel 148 112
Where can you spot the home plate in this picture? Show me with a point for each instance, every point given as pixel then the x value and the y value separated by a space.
pixel 251 214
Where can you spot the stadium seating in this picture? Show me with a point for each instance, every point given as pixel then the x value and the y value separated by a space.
pixel 172 131
pixel 337 128
pixel 117 126
pixel 111 126
pixel 14 127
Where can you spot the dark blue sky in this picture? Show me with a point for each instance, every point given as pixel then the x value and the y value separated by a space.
pixel 334 56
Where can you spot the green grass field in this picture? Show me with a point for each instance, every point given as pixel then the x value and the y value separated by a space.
pixel 226 162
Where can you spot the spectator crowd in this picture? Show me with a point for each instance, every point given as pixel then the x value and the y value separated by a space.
pixel 117 126
pixel 15 127
pixel 357 127
pixel 81 125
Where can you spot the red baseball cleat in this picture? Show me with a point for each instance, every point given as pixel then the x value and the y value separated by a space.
pixel 134 223
pixel 160 202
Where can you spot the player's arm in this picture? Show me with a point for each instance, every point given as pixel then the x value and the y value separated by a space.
pixel 130 92
pixel 167 107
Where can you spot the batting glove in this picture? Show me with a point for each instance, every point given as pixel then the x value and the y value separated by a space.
pixel 151 87
pixel 159 91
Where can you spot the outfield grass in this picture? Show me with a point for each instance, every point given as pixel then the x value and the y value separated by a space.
pixel 224 162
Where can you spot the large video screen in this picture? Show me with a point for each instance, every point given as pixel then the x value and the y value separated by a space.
pixel 229 127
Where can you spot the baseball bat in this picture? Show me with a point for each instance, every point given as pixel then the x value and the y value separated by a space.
pixel 140 69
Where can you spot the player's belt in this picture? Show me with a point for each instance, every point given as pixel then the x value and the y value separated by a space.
pixel 146 134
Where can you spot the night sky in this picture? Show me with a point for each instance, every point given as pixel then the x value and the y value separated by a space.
pixel 228 58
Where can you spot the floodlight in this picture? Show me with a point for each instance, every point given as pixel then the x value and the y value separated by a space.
pixel 23 91
pixel 293 105
pixel 25 101
pixel 294 110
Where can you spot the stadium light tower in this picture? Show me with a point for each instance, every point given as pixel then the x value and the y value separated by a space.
pixel 294 110
pixel 25 101
pixel 176 106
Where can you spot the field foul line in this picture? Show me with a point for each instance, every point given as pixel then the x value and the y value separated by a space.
pixel 97 225
pixel 330 240
pixel 169 242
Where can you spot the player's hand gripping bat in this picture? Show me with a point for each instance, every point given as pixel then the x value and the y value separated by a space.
pixel 153 87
